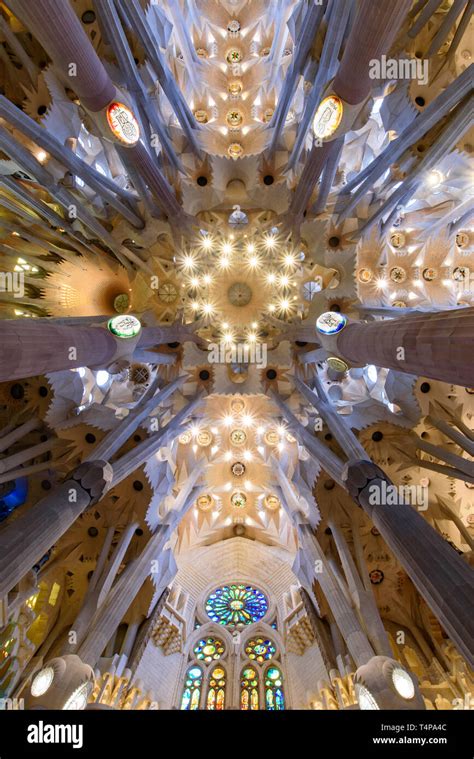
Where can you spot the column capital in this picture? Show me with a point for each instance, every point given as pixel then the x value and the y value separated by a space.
pixel 95 477
pixel 357 475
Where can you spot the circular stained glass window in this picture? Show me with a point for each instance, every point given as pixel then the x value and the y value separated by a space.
pixel 236 605
pixel 208 649
pixel 260 649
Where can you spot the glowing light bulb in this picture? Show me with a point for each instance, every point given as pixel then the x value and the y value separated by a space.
pixel 208 308
pixel 247 420
pixel 248 456
pixel 224 262
pixel 228 420
pixel 271 308
pixel 102 377
pixel 260 430
pixel 270 242
pixel 250 248
pixel 207 243
pixel 207 279
pixel 195 281
pixel 284 280
pixel 254 325
pixel 195 306
pixel 189 262
pixel 254 261
pixel 284 305
pixel 227 456
pixel 252 337
pixel 289 259
pixel 41 156
pixel 271 278
pixel 434 178
pixel 227 248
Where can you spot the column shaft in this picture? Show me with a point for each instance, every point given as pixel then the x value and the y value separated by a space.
pixel 441 576
pixel 30 347
pixel 439 345
pixel 346 620
pixel 375 28
pixel 59 31
pixel 25 540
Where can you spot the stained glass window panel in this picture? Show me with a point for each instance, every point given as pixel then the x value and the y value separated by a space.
pixel 274 696
pixel 192 689
pixel 260 649
pixel 208 649
pixel 216 692
pixel 236 605
pixel 249 700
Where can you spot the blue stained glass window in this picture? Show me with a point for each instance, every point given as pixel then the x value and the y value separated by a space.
pixel 12 495
pixel 236 605
pixel 274 697
pixel 192 689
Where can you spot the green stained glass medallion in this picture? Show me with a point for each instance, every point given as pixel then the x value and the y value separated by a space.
pixel 208 649
pixel 236 605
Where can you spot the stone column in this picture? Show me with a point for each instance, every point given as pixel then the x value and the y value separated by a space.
pixel 96 595
pixel 29 347
pixel 345 617
pixel 130 637
pixel 441 576
pixel 27 538
pixel 24 540
pixel 439 345
pixel 128 585
pixel 60 32
pixel 27 454
pixel 363 599
pixel 375 27
pixel 19 432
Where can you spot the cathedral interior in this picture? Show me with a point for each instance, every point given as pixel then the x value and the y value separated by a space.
pixel 236 355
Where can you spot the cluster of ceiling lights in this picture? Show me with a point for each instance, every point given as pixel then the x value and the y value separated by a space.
pixel 266 256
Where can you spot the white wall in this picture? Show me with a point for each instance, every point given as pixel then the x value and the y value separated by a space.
pixel 205 568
